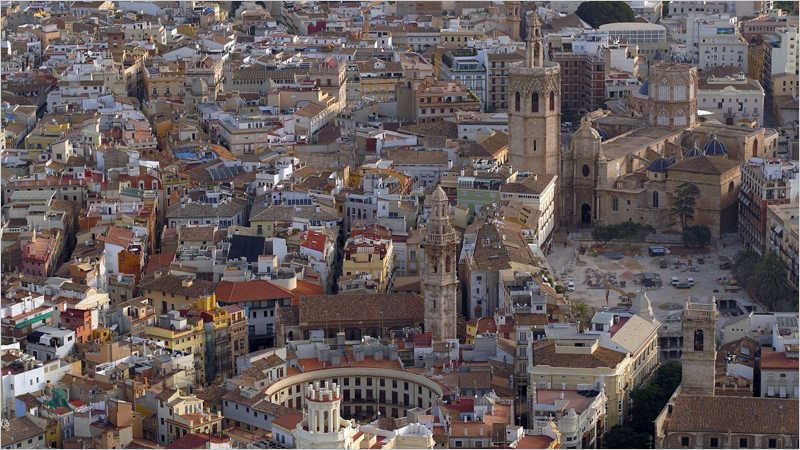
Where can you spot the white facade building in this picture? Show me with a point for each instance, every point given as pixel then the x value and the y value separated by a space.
pixel 731 98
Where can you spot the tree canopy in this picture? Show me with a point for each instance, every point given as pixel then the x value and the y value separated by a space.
pixel 601 13
pixel 696 236
pixel 648 402
pixel 624 231
pixel 765 278
pixel 620 436
pixel 683 204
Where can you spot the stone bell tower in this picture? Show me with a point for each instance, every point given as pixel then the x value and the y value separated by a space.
pixel 699 348
pixel 513 19
pixel 534 112
pixel 439 280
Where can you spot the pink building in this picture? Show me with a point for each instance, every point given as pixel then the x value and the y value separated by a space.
pixel 37 255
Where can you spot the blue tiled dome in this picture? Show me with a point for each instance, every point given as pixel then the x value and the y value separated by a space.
pixel 714 147
pixel 672 160
pixel 645 87
pixel 603 134
pixel 658 57
pixel 693 152
pixel 659 165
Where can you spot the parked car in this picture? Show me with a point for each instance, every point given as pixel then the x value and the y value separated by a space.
pixel 675 281
pixel 690 281
pixel 682 286
pixel 571 286
pixel 725 265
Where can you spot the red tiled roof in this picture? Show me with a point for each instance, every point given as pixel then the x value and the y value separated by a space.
pixel 288 422
pixel 191 440
pixel 772 360
pixel 160 260
pixel 306 288
pixel 315 241
pixel 245 291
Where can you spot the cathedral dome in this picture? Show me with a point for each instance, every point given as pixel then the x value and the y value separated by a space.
pixel 693 152
pixel 659 165
pixel 658 57
pixel 714 147
pixel 645 88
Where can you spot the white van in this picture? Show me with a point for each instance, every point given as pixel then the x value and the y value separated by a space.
pixel 675 281
pixel 690 281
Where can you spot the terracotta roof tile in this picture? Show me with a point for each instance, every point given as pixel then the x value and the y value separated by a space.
pixel 746 415
pixel 354 307
pixel 601 357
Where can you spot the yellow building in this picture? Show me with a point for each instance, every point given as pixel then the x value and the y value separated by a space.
pixel 379 79
pixel 187 29
pixel 460 38
pixel 183 334
pixel 368 265
pixel 52 434
pixel 43 135
pixel 173 293
pixel 568 358
pixel 164 80
pixel 182 414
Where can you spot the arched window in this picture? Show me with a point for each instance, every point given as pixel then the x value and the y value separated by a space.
pixel 536 50
pixel 535 102
pixel 680 91
pixel 516 101
pixel 755 148
pixel 730 186
pixel 291 336
pixel 663 117
pixel 447 264
pixel 552 100
pixel 698 340
pixel 680 117
pixel 663 90
pixel 655 199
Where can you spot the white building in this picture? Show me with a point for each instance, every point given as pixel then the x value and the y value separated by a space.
pixel 650 10
pixel 48 343
pixel 576 415
pixel 731 98
pixel 323 426
pixel 27 375
pixel 715 41
pixel 636 33
pixel 538 192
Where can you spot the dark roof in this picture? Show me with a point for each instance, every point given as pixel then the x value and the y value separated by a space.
pixel 251 247
pixel 659 165
pixel 715 148
pixel 644 90
pixel 19 429
pixel 355 307
pixel 706 165
pixel 746 415
pixel 173 284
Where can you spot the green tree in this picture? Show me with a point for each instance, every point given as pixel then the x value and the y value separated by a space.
pixel 683 204
pixel 620 436
pixel 648 402
pixel 604 233
pixel 601 13
pixel 744 266
pixel 770 284
pixel 669 377
pixel 696 236
pixel 581 311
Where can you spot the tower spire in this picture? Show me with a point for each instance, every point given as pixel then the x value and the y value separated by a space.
pixel 439 279
pixel 534 49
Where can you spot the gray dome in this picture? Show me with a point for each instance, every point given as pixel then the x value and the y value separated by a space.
pixel 659 165
pixel 603 134
pixel 715 148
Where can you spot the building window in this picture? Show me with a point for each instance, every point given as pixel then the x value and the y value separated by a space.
pixel 615 204
pixel 585 171
pixel 516 101
pixel 713 443
pixel 535 102
pixel 655 199
pixel 772 443
pixel 742 442
pixel 552 100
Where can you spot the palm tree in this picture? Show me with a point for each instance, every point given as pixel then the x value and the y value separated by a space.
pixel 683 204
pixel 744 266
pixel 581 311
pixel 770 283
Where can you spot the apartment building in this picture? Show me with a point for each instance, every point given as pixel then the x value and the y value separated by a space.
pixel 431 100
pixel 468 66
pixel 782 230
pixel 720 44
pixel 730 95
pixel 498 97
pixel 583 77
pixel 780 57
pixel 182 334
pixel 764 183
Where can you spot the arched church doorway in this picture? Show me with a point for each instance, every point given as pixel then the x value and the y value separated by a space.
pixel 586 213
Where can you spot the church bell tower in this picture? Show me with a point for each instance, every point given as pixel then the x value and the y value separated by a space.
pixel 699 348
pixel 513 19
pixel 439 278
pixel 534 112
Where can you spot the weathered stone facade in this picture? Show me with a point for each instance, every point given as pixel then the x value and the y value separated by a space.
pixel 440 280
pixel 699 323
pixel 535 110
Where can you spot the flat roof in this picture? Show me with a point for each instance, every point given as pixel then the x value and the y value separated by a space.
pixel 630 26
pixel 32 195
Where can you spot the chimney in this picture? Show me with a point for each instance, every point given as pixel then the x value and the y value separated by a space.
pixel 158 274
pixel 535 177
